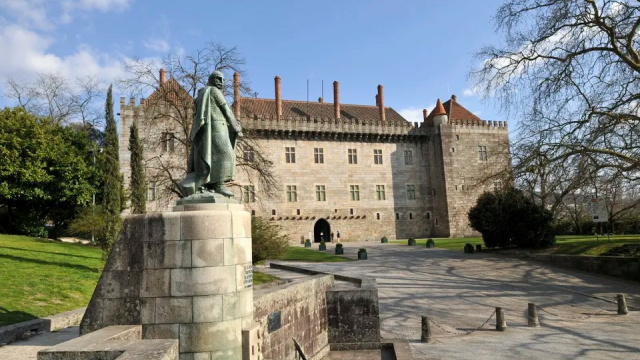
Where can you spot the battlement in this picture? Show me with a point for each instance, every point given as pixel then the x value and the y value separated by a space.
pixel 473 123
pixel 328 125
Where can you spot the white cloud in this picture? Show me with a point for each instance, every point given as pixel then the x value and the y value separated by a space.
pixel 69 6
pixel 159 45
pixel 31 13
pixel 412 114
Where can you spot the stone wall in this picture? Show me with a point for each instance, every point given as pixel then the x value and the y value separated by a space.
pixel 296 310
pixel 354 318
pixel 623 267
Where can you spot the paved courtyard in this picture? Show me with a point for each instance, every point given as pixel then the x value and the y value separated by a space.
pixel 459 292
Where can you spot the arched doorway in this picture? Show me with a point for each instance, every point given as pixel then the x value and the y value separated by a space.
pixel 322 227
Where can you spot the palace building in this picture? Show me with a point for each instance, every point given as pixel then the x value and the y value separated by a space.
pixel 360 171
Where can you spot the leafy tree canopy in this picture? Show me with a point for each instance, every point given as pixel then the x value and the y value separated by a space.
pixel 43 174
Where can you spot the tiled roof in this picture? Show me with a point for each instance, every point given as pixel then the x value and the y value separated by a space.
pixel 170 90
pixel 439 109
pixel 292 108
pixel 454 110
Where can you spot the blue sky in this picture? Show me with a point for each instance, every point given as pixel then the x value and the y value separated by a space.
pixel 418 50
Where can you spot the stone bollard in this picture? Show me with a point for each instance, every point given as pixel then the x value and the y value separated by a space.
pixel 501 324
pixel 622 305
pixel 426 330
pixel 532 316
pixel 478 247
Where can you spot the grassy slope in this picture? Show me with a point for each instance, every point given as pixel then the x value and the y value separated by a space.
pixel 40 277
pixel 565 244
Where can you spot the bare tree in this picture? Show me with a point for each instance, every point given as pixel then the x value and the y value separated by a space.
pixel 169 111
pixel 576 63
pixel 62 100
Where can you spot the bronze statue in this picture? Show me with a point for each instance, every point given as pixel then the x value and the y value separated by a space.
pixel 215 130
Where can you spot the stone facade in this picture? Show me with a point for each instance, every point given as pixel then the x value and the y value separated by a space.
pixel 411 181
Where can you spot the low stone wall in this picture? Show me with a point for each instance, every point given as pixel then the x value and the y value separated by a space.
pixel 26 329
pixel 121 341
pixel 623 267
pixel 295 310
pixel 354 318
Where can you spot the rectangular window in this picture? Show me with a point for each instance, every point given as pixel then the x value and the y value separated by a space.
pixel 380 192
pixel 482 153
pixel 151 191
pixel 353 156
pixel 355 192
pixel 168 142
pixel 290 154
pixel 377 216
pixel 410 216
pixel 273 212
pixel 411 192
pixel 248 155
pixel 428 215
pixel 408 157
pixel 377 156
pixel 320 193
pixel 292 193
pixel 497 185
pixel 318 155
pixel 248 194
pixel 397 216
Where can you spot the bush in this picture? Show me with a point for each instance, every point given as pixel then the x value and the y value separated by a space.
pixel 339 246
pixel 507 218
pixel 268 241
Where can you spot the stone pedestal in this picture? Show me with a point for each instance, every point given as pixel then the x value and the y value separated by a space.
pixel 183 275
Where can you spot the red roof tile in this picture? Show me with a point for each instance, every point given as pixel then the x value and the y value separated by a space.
pixel 267 107
pixel 454 110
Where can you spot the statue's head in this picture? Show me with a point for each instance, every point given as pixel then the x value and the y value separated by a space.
pixel 216 79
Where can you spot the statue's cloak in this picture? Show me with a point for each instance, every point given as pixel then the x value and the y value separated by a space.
pixel 213 141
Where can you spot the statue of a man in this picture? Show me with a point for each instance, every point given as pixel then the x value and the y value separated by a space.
pixel 212 158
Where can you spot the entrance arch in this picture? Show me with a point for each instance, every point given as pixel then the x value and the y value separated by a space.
pixel 322 226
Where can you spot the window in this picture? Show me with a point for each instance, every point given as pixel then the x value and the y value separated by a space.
pixel 482 153
pixel 453 150
pixel 497 185
pixel 253 213
pixel 377 216
pixel 353 156
pixel 377 156
pixel 273 212
pixel 411 192
pixel 428 215
pixel 436 221
pixel 168 142
pixel 397 216
pixel 380 192
pixel 248 194
pixel 292 193
pixel 350 211
pixel 297 211
pixel 151 191
pixel 433 191
pixel 318 155
pixel 290 154
pixel 355 192
pixel 408 157
pixel 320 193
pixel 410 216
pixel 248 155
pixel 457 137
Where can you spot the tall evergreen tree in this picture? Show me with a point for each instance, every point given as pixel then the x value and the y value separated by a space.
pixel 112 201
pixel 137 186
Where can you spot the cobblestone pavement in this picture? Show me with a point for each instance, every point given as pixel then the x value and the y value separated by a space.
pixel 459 292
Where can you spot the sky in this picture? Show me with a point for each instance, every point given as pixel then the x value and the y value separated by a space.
pixel 419 50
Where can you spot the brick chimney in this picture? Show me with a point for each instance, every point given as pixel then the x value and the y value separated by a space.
pixel 163 76
pixel 454 98
pixel 381 103
pixel 278 98
pixel 320 100
pixel 236 94
pixel 336 99
pixel 425 113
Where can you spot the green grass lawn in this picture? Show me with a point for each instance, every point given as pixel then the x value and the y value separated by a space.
pixel 295 253
pixel 565 244
pixel 262 278
pixel 40 277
